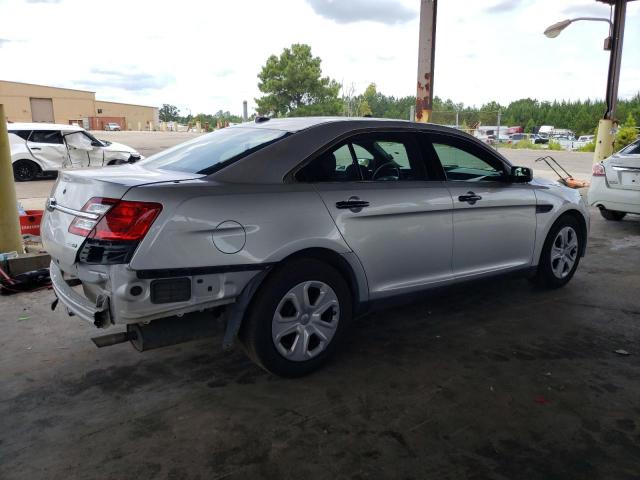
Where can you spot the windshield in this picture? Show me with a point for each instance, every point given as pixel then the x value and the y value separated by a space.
pixel 209 153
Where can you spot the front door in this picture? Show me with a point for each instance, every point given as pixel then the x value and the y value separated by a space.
pixel 82 151
pixel 396 220
pixel 494 221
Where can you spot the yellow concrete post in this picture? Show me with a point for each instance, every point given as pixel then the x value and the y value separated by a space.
pixel 604 140
pixel 139 126
pixel 198 127
pixel 151 126
pixel 10 239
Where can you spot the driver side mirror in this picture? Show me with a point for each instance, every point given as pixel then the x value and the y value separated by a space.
pixel 520 175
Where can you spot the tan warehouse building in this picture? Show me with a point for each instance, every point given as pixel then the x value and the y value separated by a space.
pixel 25 102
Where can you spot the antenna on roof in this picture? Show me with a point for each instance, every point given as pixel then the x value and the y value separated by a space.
pixel 260 119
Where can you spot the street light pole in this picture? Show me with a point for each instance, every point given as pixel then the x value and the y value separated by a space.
pixel 606 137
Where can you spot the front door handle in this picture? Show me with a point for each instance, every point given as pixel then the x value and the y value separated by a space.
pixel 354 204
pixel 36 148
pixel 471 198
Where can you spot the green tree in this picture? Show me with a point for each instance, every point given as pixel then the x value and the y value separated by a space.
pixel 529 126
pixel 168 113
pixel 626 134
pixel 293 85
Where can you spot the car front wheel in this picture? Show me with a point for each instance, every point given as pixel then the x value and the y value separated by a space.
pixel 612 214
pixel 560 254
pixel 297 318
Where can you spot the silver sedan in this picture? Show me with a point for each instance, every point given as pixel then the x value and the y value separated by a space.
pixel 285 229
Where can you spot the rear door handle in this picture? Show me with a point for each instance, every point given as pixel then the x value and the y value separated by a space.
pixel 354 204
pixel 471 198
pixel 36 148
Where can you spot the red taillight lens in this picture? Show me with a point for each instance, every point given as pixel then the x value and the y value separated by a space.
pixel 96 205
pixel 127 221
pixel 117 220
pixel 598 170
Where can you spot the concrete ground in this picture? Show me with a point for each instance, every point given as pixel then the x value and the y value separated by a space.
pixel 34 194
pixel 491 380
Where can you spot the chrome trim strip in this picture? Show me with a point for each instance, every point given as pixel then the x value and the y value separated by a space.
pixel 53 205
pixel 625 169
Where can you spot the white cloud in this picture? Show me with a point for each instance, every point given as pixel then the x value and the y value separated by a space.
pixel 205 55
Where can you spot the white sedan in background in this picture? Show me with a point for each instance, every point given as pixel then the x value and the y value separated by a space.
pixel 46 147
pixel 615 186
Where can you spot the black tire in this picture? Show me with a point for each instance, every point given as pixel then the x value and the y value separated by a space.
pixel 545 276
pixel 25 170
pixel 256 331
pixel 612 214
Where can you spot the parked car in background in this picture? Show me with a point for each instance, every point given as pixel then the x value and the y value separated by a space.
pixel 539 139
pixel 112 127
pixel 287 228
pixel 518 137
pixel 615 184
pixel 37 148
pixel 586 138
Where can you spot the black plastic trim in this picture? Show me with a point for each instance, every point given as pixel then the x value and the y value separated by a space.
pixel 544 208
pixel 181 272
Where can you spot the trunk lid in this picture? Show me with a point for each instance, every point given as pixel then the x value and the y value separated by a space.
pixel 623 171
pixel 74 188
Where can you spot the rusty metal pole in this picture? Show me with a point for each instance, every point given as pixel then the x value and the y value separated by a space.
pixel 10 239
pixel 426 57
pixel 606 137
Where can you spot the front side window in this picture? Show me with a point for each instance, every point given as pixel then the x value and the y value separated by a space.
pixel 212 152
pixel 461 165
pixel 378 156
pixel 46 136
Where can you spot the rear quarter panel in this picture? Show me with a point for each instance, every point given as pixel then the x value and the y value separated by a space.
pixel 278 220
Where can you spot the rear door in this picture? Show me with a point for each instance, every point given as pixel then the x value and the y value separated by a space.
pixel 494 221
pixel 395 218
pixel 48 147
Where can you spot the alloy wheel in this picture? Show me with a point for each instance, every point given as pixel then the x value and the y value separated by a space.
pixel 564 252
pixel 305 321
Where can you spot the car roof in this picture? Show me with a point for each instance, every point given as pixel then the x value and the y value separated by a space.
pixel 308 135
pixel 295 124
pixel 42 126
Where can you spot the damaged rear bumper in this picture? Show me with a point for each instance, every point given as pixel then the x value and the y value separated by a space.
pixel 116 294
pixel 96 312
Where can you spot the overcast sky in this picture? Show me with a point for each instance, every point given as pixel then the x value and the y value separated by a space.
pixel 205 55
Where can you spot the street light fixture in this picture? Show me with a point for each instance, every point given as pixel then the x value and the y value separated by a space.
pixel 554 30
pixel 605 138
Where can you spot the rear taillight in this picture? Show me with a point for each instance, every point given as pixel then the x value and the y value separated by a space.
pixel 96 205
pixel 118 220
pixel 598 170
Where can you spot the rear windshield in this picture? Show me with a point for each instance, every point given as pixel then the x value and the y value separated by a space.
pixel 632 149
pixel 209 153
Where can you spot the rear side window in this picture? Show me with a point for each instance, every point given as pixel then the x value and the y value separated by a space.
pixel 209 153
pixel 23 134
pixel 46 136
pixel 376 156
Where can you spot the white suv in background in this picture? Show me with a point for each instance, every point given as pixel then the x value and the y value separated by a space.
pixel 615 186
pixel 45 147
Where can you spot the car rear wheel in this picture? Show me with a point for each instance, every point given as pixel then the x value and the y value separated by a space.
pixel 560 254
pixel 297 318
pixel 612 214
pixel 25 170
